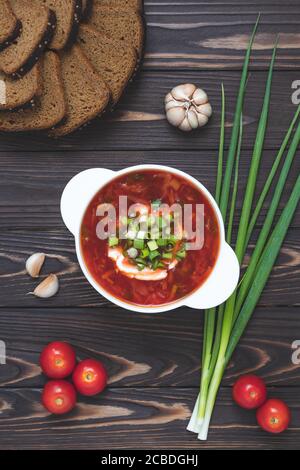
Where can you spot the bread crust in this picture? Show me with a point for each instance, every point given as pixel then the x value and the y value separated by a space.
pixel 29 99
pixel 68 37
pixel 22 68
pixel 8 22
pixel 27 120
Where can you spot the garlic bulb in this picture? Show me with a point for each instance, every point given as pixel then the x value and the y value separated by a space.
pixel 47 288
pixel 187 107
pixel 34 264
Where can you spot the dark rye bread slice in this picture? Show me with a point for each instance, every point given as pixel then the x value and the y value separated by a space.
pixel 125 26
pixel 24 91
pixel 51 107
pixel 68 14
pixel 136 5
pixel 10 26
pixel 38 23
pixel 86 93
pixel 114 61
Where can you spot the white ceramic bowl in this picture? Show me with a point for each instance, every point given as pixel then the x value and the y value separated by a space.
pixel 217 288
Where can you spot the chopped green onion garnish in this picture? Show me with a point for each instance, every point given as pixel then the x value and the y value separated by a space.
pixel 167 255
pixel 113 241
pixel 162 242
pixel 152 245
pixel 181 254
pixel 174 239
pixel 138 244
pixel 154 254
pixel 145 253
pixel 157 203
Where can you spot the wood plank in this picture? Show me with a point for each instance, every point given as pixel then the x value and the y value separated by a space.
pixel 142 350
pixel 140 123
pixel 15 248
pixel 139 419
pixel 201 34
pixel 31 183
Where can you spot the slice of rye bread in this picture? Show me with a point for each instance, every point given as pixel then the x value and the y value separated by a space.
pixel 136 5
pixel 86 92
pixel 24 91
pixel 38 24
pixel 51 107
pixel 125 26
pixel 10 26
pixel 68 14
pixel 114 61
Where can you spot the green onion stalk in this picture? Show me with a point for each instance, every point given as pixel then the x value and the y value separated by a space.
pixel 222 336
pixel 222 197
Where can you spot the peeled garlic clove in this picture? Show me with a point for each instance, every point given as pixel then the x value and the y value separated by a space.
pixel 183 92
pixel 176 115
pixel 200 97
pixel 48 288
pixel 34 264
pixel 193 119
pixel 185 125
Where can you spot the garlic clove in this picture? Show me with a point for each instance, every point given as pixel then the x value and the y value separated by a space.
pixel 176 115
pixel 173 104
pixel 183 92
pixel 200 97
pixel 47 288
pixel 34 264
pixel 185 125
pixel 193 119
pixel 169 98
pixel 202 120
pixel 205 109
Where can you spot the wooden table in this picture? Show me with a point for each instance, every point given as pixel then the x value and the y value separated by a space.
pixel 153 360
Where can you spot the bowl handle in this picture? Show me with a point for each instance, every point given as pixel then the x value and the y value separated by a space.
pixel 221 283
pixel 78 192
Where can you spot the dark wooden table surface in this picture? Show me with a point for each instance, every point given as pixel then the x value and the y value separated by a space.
pixel 153 360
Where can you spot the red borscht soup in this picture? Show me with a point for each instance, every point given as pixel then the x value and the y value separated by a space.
pixel 146 259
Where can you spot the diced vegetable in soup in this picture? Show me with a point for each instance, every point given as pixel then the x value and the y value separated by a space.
pixel 149 256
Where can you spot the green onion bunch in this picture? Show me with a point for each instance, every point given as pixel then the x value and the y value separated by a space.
pixel 224 326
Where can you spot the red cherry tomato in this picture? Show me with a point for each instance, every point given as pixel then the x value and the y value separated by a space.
pixel 90 377
pixel 59 397
pixel 58 360
pixel 250 392
pixel 274 416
